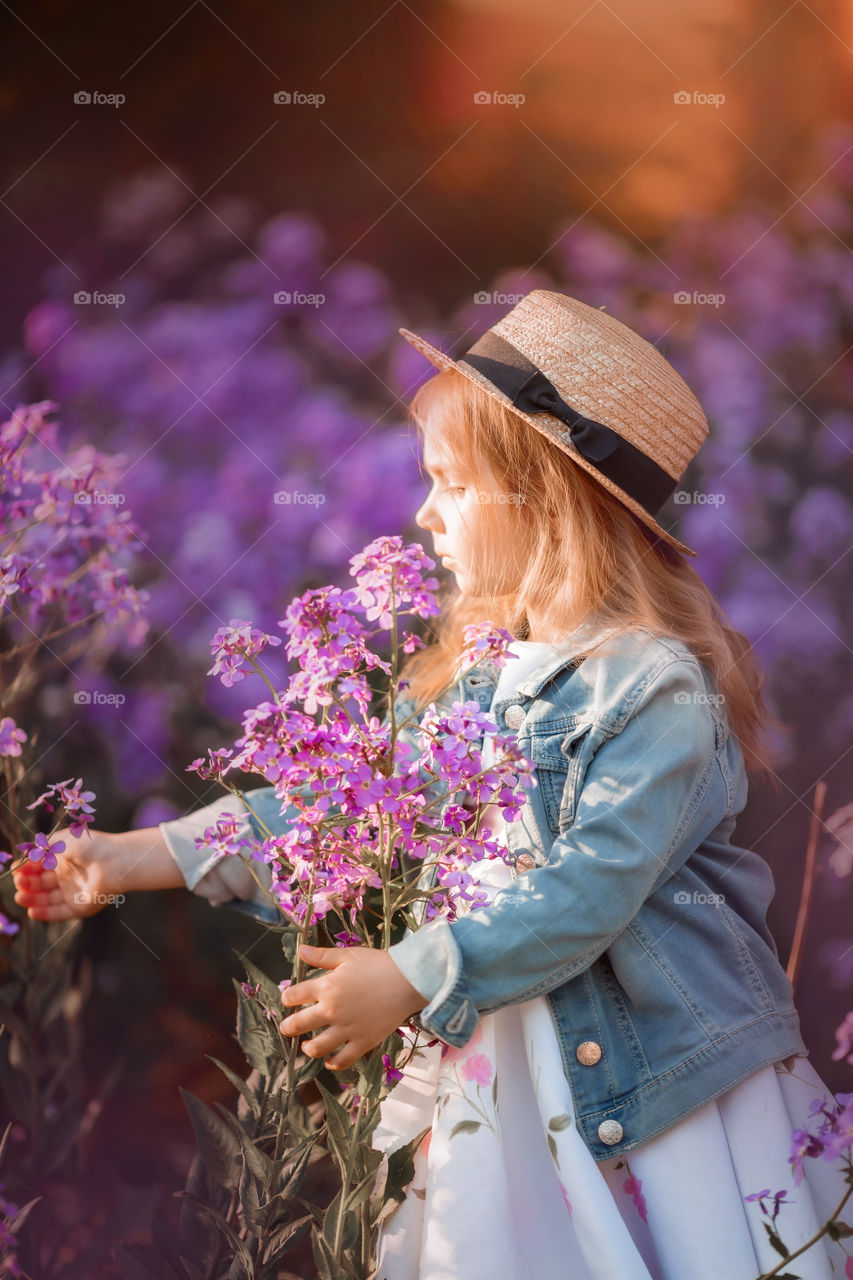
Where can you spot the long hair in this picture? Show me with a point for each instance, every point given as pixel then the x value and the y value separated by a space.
pixel 580 553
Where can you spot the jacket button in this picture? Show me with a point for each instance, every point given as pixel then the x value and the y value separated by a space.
pixel 524 862
pixel 610 1131
pixel 515 716
pixel 588 1053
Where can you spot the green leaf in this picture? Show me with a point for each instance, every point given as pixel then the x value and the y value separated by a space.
pixel 558 1123
pixel 218 1145
pixel 252 1100
pixel 552 1147
pixel 838 1230
pixel 238 1246
pixel 292 1172
pixel 466 1126
pixel 339 1126
pixel 776 1242
pixel 351 1222
pixel 401 1171
pixel 241 1270
pixel 280 1241
pixel 327 1268
pixel 253 1034
pixel 495 1089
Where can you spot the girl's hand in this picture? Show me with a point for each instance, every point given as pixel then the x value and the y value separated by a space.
pixel 96 870
pixel 77 886
pixel 360 1001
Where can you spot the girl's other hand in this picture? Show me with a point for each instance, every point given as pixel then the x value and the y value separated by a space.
pixel 94 871
pixel 77 886
pixel 359 1002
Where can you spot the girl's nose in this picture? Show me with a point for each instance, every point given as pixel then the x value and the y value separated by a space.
pixel 424 516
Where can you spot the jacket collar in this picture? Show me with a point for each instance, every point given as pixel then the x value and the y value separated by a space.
pixel 487 671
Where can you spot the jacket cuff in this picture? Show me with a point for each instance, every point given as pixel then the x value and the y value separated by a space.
pixel 180 833
pixel 431 961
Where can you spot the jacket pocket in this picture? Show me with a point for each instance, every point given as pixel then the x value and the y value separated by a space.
pixel 572 748
pixel 555 755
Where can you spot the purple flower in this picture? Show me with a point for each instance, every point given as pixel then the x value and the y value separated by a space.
pixel 43 849
pixel 390 1071
pixel 8 926
pixel 387 571
pixel 11 737
pixel 233 646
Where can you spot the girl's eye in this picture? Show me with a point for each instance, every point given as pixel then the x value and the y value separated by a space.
pixel 456 489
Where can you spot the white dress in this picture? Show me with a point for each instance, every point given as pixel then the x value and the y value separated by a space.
pixel 505 1186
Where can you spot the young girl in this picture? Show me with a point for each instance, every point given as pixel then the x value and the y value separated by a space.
pixel 612 1063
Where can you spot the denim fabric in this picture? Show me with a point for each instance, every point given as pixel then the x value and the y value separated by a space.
pixel 641 921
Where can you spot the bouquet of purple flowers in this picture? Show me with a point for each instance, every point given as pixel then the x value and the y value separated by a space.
pixel 380 825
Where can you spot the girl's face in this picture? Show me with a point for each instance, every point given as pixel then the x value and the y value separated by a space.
pixel 454 512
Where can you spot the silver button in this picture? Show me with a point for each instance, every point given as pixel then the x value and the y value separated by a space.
pixel 515 716
pixel 588 1053
pixel 524 862
pixel 610 1131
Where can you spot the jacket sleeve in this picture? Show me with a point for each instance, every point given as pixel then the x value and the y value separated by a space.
pixel 652 793
pixel 222 878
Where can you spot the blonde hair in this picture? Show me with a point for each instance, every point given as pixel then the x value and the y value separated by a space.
pixel 580 552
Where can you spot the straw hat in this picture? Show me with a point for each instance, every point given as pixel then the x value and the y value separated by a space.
pixel 596 389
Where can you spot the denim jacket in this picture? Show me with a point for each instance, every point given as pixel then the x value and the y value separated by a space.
pixel 630 908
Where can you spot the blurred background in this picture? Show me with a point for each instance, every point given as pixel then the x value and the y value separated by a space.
pixel 215 217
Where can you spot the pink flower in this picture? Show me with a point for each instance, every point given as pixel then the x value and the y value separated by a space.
pixel 11 737
pixel 632 1186
pixel 477 1068
pixel 566 1198
pixel 844 1036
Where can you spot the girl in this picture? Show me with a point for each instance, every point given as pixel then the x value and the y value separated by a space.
pixel 615 1066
